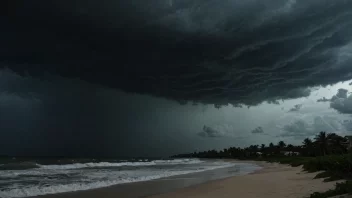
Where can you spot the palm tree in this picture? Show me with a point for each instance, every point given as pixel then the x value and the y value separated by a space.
pixel 262 147
pixel 322 141
pixel 271 145
pixel 307 143
pixel 271 148
pixel 253 148
pixel 290 147
pixel 308 146
pixel 281 144
pixel 335 143
pixel 279 147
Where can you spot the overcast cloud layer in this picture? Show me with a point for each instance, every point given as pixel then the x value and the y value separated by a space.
pixel 203 50
pixel 94 78
pixel 74 118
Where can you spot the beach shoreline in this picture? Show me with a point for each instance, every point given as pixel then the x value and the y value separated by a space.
pixel 272 180
pixel 161 185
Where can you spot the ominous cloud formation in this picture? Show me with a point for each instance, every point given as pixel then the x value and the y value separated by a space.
pixel 342 102
pixel 258 130
pixel 208 51
pixel 341 93
pixel 73 118
pixel 342 105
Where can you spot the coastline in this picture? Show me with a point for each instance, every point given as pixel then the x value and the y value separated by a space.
pixel 158 186
pixel 272 180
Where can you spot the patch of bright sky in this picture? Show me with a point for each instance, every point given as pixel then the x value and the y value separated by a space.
pixel 272 117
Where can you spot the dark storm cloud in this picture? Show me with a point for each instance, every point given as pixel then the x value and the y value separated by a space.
pixel 296 108
pixel 341 94
pixel 258 130
pixel 56 116
pixel 208 51
pixel 217 131
pixel 342 102
pixel 69 117
pixel 342 105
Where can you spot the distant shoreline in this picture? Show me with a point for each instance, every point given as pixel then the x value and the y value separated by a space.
pixel 158 186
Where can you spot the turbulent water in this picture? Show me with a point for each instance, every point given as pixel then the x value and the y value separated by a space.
pixel 31 179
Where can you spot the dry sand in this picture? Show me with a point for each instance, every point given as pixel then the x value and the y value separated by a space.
pixel 273 181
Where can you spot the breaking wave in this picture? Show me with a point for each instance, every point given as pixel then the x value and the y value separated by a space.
pixel 52 179
pixel 109 164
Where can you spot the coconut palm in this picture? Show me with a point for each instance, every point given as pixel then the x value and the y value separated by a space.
pixel 290 147
pixel 281 144
pixel 271 148
pixel 262 147
pixel 307 143
pixel 308 146
pixel 335 143
pixel 322 141
pixel 271 145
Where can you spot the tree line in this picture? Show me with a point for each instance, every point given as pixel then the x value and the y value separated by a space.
pixel 322 144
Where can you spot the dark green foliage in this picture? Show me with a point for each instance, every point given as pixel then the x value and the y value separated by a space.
pixel 328 153
pixel 324 144
pixel 340 189
pixel 331 163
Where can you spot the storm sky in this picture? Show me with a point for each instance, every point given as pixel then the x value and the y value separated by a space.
pixel 155 78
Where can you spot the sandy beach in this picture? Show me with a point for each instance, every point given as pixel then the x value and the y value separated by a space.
pixel 273 181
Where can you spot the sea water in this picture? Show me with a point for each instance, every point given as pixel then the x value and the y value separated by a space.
pixel 32 179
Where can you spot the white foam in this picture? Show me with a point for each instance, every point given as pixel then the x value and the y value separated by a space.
pixel 112 178
pixel 109 164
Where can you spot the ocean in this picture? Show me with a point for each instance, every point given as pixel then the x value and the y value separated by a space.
pixel 25 179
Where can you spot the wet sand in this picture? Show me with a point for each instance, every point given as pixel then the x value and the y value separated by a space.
pixel 273 181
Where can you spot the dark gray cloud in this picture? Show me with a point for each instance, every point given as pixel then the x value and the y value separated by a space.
pixel 258 130
pixel 342 102
pixel 323 100
pixel 297 107
pixel 297 128
pixel 64 117
pixel 342 105
pixel 217 131
pixel 341 94
pixel 302 128
pixel 201 50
